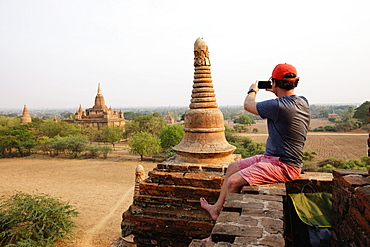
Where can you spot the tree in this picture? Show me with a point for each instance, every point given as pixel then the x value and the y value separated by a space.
pixel 112 134
pixel 144 144
pixel 244 119
pixel 92 133
pixel 76 144
pixel 151 124
pixel 170 136
pixel 43 143
pixel 362 112
pixel 51 129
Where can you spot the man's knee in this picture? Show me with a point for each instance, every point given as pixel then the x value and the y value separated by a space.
pixel 232 168
pixel 235 182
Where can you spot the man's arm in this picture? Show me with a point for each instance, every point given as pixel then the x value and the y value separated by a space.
pixel 250 103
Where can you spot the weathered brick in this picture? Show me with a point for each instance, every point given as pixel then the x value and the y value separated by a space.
pixel 363 194
pixel 228 217
pixel 274 205
pixel 252 211
pixel 353 181
pixel 263 197
pixel 247 220
pixel 273 226
pixel 273 240
pixel 343 172
pixel 360 219
pixel 225 229
pixel 245 241
pixel 249 231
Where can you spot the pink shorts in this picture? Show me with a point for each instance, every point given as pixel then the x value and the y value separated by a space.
pixel 263 169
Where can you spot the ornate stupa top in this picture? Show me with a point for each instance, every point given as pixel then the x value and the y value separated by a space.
pixel 201 54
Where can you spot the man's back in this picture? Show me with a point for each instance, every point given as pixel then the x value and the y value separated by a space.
pixel 288 121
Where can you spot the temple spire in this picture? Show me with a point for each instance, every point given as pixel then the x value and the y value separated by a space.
pixel 99 89
pixel 99 100
pixel 26 118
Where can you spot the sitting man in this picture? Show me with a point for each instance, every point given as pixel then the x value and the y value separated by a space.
pixel 288 118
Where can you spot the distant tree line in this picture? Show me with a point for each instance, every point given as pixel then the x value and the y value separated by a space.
pixel 347 118
pixel 54 138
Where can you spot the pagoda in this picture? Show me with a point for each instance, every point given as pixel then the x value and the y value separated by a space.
pixel 26 118
pixel 99 115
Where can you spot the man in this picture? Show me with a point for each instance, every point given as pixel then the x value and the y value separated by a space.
pixel 288 118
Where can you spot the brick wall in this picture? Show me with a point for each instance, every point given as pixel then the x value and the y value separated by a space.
pixel 351 208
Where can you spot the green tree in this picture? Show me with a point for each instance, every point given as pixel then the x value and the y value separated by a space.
pixel 170 136
pixel 362 112
pixel 244 119
pixel 112 134
pixel 92 133
pixel 17 137
pixel 43 143
pixel 105 149
pixel 35 220
pixel 129 115
pixel 59 144
pixel 144 144
pixel 51 129
pixel 151 124
pixel 76 144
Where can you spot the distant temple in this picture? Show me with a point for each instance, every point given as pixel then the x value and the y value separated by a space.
pixel 99 115
pixel 26 118
pixel 169 119
pixel 332 116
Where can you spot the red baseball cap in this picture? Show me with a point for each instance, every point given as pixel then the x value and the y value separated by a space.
pixel 281 69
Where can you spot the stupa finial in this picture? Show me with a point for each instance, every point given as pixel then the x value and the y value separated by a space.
pixel 201 54
pixel 99 89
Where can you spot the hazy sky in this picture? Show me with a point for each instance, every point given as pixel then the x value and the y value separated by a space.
pixel 54 53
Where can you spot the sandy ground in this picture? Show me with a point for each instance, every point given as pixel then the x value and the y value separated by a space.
pixel 100 190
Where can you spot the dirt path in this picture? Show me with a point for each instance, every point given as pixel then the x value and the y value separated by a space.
pixel 100 190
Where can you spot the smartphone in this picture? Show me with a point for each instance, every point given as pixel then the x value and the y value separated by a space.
pixel 264 84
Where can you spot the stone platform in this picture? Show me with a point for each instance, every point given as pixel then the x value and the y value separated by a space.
pixel 256 216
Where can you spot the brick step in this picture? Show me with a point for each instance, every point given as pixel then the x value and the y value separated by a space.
pixel 173 213
pixel 193 179
pixel 176 191
pixel 167 225
pixel 168 202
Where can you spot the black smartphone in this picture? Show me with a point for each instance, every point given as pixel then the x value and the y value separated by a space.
pixel 264 84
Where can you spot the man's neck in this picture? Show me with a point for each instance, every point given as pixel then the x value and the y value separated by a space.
pixel 282 92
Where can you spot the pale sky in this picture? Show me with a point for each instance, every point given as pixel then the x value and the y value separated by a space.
pixel 54 53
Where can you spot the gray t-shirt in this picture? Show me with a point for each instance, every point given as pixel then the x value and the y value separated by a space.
pixel 288 119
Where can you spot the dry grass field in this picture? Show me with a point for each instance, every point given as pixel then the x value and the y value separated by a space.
pixel 350 145
pixel 99 189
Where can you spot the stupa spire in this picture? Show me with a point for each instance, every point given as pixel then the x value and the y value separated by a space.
pixel 26 118
pixel 204 140
pixel 99 89
pixel 99 100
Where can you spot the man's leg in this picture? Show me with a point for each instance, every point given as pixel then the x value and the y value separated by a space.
pixel 232 184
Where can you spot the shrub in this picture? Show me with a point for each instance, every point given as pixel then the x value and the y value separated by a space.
pixel 35 220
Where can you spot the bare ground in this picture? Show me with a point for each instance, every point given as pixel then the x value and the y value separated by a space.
pixel 100 190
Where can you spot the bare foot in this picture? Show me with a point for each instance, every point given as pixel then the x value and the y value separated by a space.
pixel 207 239
pixel 212 210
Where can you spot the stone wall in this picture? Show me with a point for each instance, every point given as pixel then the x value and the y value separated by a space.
pixel 351 208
